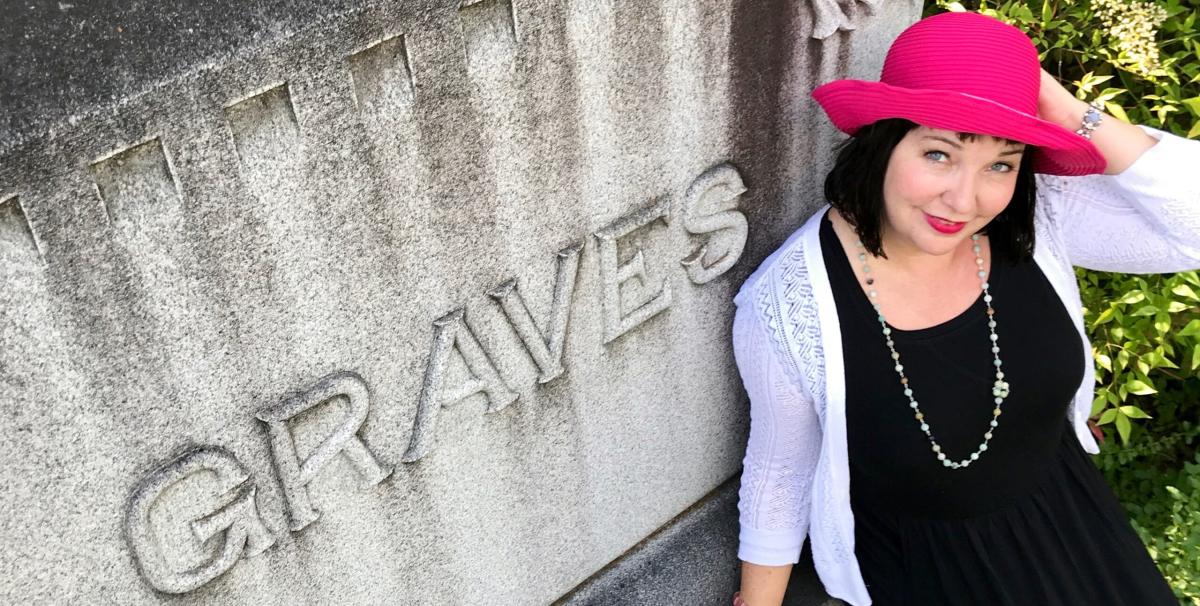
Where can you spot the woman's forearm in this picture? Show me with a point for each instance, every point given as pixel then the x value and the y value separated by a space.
pixel 764 585
pixel 1120 143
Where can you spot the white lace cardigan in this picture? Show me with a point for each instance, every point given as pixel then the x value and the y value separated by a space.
pixel 795 477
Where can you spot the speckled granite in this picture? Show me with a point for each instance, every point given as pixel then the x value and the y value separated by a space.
pixel 418 302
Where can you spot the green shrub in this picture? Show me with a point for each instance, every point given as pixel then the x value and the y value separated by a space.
pixel 1170 528
pixel 1145 334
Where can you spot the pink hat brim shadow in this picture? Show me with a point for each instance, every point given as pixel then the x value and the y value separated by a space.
pixel 852 104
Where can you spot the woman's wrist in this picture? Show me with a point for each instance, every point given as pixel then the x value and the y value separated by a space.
pixel 1058 105
pixel 1071 114
pixel 1091 120
pixel 1120 143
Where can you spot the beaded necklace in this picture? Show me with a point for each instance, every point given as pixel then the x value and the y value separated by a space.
pixel 999 388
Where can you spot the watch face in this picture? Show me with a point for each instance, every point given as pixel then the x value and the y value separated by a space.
pixel 1091 118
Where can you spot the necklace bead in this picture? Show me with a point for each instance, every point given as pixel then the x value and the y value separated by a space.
pixel 1000 388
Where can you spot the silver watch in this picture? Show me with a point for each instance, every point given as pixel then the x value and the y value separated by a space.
pixel 1091 119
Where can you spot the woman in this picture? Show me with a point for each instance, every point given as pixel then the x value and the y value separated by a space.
pixel 915 357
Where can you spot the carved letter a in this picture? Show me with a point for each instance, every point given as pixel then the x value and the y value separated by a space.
pixel 451 331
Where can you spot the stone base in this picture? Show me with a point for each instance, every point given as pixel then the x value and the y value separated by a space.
pixel 691 560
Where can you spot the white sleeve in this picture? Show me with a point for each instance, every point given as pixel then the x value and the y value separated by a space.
pixel 1143 220
pixel 784 444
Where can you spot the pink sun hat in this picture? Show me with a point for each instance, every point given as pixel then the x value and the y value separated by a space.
pixel 964 72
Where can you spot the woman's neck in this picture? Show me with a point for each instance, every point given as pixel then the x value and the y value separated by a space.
pixel 910 263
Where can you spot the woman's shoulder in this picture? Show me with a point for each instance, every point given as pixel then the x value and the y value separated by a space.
pixel 776 305
pixel 786 263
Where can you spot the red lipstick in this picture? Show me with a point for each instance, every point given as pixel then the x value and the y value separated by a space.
pixel 943 226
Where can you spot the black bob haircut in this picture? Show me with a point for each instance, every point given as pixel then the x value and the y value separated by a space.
pixel 855 188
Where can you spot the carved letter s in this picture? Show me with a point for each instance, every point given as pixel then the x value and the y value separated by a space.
pixel 716 191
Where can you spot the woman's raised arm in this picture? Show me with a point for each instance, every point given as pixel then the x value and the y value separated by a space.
pixel 1143 214
pixel 1120 143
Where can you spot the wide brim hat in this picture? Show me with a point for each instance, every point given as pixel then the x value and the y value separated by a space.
pixel 968 73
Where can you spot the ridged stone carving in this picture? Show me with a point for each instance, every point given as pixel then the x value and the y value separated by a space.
pixel 830 16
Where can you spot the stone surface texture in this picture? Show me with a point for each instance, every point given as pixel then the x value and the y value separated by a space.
pixel 691 560
pixel 419 302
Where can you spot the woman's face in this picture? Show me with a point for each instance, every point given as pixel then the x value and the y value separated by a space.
pixel 940 189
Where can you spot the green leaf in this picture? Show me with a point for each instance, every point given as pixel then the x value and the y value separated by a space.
pixel 1083 85
pixel 1047 11
pixel 1105 316
pixel 1153 358
pixel 1123 428
pixel 1184 290
pixel 1108 417
pixel 1132 297
pixel 1134 412
pixel 1116 111
pixel 1137 387
pixel 1192 104
pixel 1195 132
pixel 1196 357
pixel 1098 404
pixel 1104 361
pixel 1162 322
pixel 1175 307
pixel 1146 310
pixel 1192 328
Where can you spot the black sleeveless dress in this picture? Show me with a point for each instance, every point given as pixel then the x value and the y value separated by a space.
pixel 1032 521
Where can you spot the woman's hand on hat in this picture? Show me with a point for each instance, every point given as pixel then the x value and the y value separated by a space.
pixel 1119 142
pixel 1056 104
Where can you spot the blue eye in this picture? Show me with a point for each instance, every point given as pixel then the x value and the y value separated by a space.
pixel 930 155
pixel 1005 167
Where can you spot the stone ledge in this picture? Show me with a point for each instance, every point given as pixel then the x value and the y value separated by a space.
pixel 691 560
